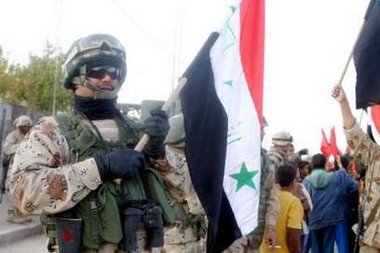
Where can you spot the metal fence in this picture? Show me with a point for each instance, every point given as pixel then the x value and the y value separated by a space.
pixel 8 113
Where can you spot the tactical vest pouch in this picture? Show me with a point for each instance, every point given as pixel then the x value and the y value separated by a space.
pixel 132 224
pixel 101 218
pixel 157 191
pixel 79 137
pixel 69 234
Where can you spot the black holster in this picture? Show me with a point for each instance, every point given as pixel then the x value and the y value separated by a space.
pixel 360 231
pixel 69 234
pixel 132 223
pixel 154 226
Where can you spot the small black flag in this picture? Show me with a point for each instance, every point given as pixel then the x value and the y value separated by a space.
pixel 367 59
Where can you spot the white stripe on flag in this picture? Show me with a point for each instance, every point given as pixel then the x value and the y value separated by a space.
pixel 244 142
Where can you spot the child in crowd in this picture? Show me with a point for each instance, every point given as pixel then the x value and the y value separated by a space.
pixel 290 216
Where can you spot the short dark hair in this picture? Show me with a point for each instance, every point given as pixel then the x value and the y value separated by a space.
pixel 318 161
pixel 345 160
pixel 286 173
pixel 302 164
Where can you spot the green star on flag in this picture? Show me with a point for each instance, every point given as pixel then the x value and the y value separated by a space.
pixel 244 177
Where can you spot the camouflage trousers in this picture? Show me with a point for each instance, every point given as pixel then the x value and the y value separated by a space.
pixel 241 245
pixel 368 249
pixel 188 247
pixel 179 238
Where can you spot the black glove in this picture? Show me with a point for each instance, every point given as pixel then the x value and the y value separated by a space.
pixel 157 127
pixel 119 164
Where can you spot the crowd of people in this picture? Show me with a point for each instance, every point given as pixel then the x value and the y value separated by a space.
pixel 81 173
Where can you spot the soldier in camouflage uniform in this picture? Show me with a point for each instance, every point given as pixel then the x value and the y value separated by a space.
pixel 66 168
pixel 187 234
pixel 278 152
pixel 23 124
pixel 268 210
pixel 367 152
pixel 278 155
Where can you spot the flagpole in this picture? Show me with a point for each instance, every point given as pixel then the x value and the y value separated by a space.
pixel 351 53
pixel 367 13
pixel 165 107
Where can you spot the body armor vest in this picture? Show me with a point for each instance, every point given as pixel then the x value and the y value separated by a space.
pixel 100 210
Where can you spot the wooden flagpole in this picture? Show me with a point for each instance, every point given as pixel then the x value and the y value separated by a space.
pixel 351 54
pixel 174 95
pixel 367 14
pixel 145 137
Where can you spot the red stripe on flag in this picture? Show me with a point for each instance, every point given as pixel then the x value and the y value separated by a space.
pixel 252 26
pixel 375 115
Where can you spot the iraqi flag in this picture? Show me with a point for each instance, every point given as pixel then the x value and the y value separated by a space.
pixel 222 106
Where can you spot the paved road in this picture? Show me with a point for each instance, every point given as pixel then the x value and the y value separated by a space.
pixel 10 232
pixel 35 244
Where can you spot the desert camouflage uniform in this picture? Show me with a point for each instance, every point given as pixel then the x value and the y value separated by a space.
pixel 46 177
pixel 11 144
pixel 187 233
pixel 276 157
pixel 268 210
pixel 368 152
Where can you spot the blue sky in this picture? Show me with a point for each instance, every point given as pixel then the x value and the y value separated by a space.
pixel 307 45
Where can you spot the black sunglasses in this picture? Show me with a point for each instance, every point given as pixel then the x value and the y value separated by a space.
pixel 100 72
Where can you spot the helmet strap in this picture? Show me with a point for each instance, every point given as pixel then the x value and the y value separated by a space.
pixel 99 93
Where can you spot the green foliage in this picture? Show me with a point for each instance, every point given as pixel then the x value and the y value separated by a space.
pixel 33 85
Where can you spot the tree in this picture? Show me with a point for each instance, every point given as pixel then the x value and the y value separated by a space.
pixel 34 85
pixel 3 72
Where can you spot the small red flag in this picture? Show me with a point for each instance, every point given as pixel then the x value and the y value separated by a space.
pixel 333 147
pixel 325 145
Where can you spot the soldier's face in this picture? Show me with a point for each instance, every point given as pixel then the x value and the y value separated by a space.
pixel 105 84
pixel 24 129
pixel 290 150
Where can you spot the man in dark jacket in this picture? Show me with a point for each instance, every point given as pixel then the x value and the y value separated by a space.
pixel 330 193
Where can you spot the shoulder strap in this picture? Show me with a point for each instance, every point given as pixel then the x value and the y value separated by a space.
pixel 371 216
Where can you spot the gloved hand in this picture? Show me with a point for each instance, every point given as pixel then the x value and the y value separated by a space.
pixel 119 164
pixel 157 127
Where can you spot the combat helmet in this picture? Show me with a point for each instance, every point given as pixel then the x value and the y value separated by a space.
pixel 176 134
pixel 282 138
pixel 94 50
pixel 22 120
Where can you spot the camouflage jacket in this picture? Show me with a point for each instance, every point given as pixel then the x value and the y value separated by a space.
pixel 269 205
pixel 45 179
pixel 11 143
pixel 368 152
pixel 276 157
pixel 189 210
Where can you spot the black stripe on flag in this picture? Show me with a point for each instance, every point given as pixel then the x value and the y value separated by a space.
pixel 206 139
